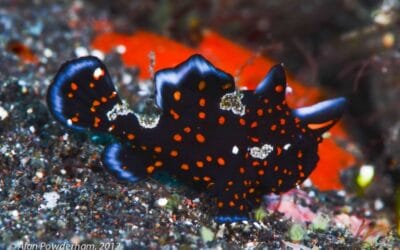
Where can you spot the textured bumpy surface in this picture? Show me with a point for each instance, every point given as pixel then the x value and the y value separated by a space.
pixel 236 145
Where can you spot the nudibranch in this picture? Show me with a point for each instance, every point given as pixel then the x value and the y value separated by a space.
pixel 236 145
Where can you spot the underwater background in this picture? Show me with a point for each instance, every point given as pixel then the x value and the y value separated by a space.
pixel 55 190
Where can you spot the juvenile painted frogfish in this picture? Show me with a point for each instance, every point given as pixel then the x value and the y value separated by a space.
pixel 236 145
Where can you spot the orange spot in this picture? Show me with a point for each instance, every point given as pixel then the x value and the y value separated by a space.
pixel 282 131
pixel 254 139
pixel 74 86
pixel 131 136
pixel 278 150
pixel 200 138
pixel 202 85
pixel 319 125
pixel 157 149
pixel 242 121
pixel 280 181
pixel 75 119
pixel 202 115
pixel 173 153
pixel 260 112
pixel 158 164
pixel 273 127
pixel 231 204
pixel 251 190
pixel 301 174
pixel 177 95
pixel 24 52
pixel 276 168
pixel 221 161
pixel 269 111
pixel 241 170
pixel 104 99
pixel 299 167
pixel 236 196
pixel 96 122
pixel 70 95
pixel 208 158
pixel 282 121
pixel 196 178
pixel 174 114
pixel 202 102
pixel 206 178
pixel 255 163
pixel 199 164
pixel 221 120
pixel 113 94
pixel 177 137
pixel 185 167
pixel 226 86
pixel 150 169
pixel 95 103
pixel 91 85
pixel 299 154
pixel 230 183
pixel 279 88
pixel 241 207
pixel 187 130
pixel 220 204
pixel 253 125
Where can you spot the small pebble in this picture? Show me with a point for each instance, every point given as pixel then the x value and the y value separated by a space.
pixel 162 202
pixel 3 113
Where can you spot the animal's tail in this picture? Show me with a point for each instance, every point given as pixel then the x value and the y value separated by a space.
pixel 82 96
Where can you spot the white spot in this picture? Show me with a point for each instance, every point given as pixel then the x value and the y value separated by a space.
pixel 365 175
pixel 47 52
pixel 51 199
pixel 261 152
pixel 307 183
pixel 98 53
pixel 126 79
pixel 69 122
pixel 81 51
pixel 39 174
pixel 98 72
pixel 3 113
pixel 14 214
pixel 32 129
pixel 287 146
pixel 233 102
pixel 289 90
pixel 121 49
pixel 119 109
pixel 162 202
pixel 148 120
pixel 378 204
pixel 235 150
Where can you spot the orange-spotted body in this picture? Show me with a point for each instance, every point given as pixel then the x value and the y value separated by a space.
pixel 235 145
